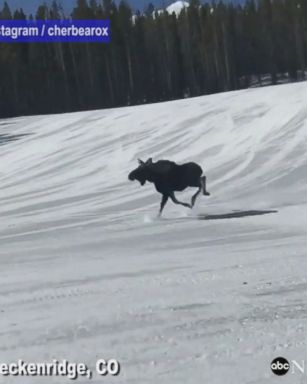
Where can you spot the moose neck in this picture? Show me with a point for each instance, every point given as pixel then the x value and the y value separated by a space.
pixel 151 177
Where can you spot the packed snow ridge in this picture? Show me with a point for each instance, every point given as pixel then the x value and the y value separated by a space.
pixel 204 296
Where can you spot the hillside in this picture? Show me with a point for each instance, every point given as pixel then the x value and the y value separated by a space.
pixel 89 272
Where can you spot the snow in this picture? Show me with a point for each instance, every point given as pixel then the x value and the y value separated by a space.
pixel 89 272
pixel 175 7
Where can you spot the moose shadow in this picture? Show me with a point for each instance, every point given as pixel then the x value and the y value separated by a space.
pixel 235 215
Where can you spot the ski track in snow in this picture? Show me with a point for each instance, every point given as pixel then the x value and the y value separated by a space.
pixel 89 272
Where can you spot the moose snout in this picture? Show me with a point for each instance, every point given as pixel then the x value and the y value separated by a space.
pixel 130 177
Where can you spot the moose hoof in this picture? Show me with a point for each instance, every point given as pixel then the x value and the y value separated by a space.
pixel 206 193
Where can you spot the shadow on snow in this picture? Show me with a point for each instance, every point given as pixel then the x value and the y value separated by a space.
pixel 234 215
pixel 6 138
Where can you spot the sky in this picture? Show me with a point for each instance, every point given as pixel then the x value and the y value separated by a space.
pixel 31 5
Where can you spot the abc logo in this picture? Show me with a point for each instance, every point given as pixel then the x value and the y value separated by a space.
pixel 280 366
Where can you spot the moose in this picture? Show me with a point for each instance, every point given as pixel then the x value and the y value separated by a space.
pixel 169 177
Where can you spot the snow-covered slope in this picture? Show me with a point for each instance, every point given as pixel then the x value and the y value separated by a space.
pixel 175 7
pixel 88 272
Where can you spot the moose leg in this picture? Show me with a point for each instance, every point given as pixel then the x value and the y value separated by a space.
pixel 195 196
pixel 163 202
pixel 203 184
pixel 173 197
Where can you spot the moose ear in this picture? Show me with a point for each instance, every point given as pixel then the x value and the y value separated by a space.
pixel 149 161
pixel 141 162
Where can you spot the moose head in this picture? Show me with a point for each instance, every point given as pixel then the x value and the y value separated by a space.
pixel 142 172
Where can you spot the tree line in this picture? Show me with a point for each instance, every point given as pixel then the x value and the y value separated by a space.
pixel 153 57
